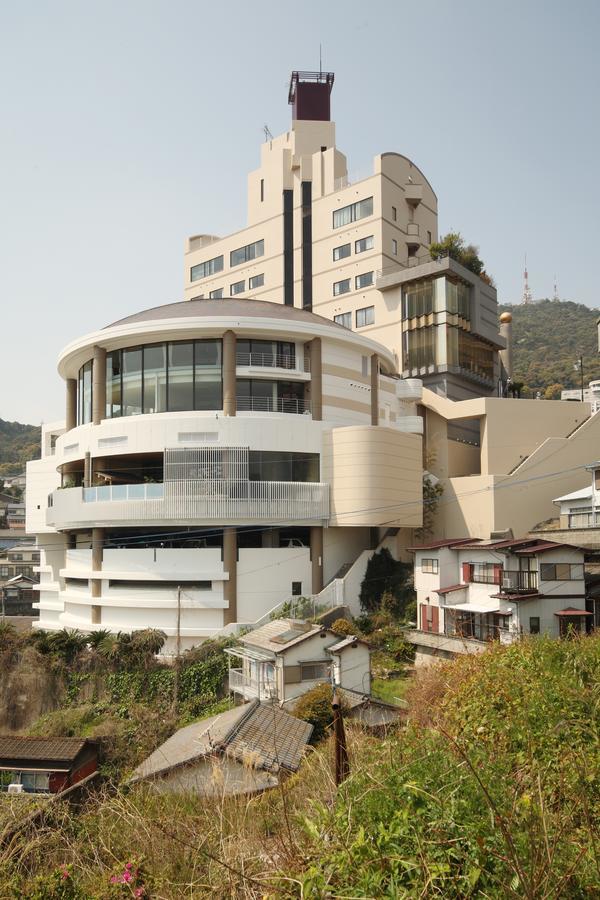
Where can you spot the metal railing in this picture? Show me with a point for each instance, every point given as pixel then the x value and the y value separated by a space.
pixel 273 360
pixel 244 684
pixel 292 405
pixel 519 581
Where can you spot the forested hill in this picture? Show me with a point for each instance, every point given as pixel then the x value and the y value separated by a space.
pixel 549 336
pixel 18 443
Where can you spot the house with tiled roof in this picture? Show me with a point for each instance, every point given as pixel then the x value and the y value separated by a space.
pixel 286 657
pixel 470 592
pixel 244 750
pixel 41 765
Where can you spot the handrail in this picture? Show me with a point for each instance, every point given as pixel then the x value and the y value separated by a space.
pixel 293 405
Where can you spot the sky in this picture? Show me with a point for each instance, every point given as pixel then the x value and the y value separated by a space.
pixel 127 125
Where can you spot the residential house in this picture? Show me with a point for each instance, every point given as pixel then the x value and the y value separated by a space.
pixel 286 657
pixel 242 751
pixel 45 765
pixel 18 596
pixel 470 592
pixel 15 515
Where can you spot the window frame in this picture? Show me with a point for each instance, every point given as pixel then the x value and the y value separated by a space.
pixel 355 212
pixel 358 284
pixel 336 286
pixel 430 565
pixel 337 254
pixel 366 310
pixel 368 246
pixel 347 323
pixel 236 284
pixel 207 268
pixel 251 251
pixel 253 278
pixel 318 665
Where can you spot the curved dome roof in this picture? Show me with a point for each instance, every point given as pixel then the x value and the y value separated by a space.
pixel 261 309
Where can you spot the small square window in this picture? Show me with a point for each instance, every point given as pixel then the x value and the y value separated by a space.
pixel 344 319
pixel 341 287
pixel 296 588
pixel 341 252
pixel 217 294
pixel 366 243
pixel 364 280
pixel 238 287
pixel 256 281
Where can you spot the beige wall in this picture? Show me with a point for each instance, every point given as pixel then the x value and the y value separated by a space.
pixel 375 475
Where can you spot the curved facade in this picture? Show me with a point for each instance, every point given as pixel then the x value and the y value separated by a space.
pixel 205 472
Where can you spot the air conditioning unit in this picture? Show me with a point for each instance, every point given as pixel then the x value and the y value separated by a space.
pixel 15 789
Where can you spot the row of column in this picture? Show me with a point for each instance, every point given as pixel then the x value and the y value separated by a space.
pixel 229 382
pixel 229 564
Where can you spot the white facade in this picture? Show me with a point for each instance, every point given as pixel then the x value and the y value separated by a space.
pixel 193 519
pixel 498 590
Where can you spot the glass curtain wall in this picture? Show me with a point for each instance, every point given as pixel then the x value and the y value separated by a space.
pixel 419 299
pixel 419 347
pixel 175 376
pixel 84 399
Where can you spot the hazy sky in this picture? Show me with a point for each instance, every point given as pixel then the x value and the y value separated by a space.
pixel 127 125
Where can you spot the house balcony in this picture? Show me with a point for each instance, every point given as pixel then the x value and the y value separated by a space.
pixel 516 582
pixel 193 501
pixel 413 194
pixel 412 235
pixel 250 688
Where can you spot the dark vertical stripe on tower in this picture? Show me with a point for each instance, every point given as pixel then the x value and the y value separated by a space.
pixel 288 248
pixel 307 244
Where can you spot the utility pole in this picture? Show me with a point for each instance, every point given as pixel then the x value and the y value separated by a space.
pixel 342 763
pixel 579 365
pixel 177 650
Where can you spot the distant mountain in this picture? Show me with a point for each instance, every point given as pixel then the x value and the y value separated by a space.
pixel 18 443
pixel 549 336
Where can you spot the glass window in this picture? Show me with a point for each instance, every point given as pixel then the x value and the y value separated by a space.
pixel 474 355
pixel 132 381
pixel 244 254
pixel 238 287
pixel 394 247
pixel 353 213
pixel 458 299
pixel 296 588
pixel 275 465
pixel 113 384
pixel 419 348
pixel 85 394
pixel 217 294
pixel 341 287
pixel 344 319
pixel 155 378
pixel 365 316
pixel 208 375
pixel 314 671
pixel 534 624
pixel 418 299
pixel 363 280
pixel 342 252
pixel 561 572
pixel 181 376
pixel 210 267
pixel 394 213
pixel 430 566
pixel 256 281
pixel 363 244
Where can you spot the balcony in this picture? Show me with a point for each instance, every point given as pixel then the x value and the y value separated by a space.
pixel 412 235
pixel 196 501
pixel 292 405
pixel 519 581
pixel 413 194
pixel 248 687
pixel 585 519
pixel 288 363
pixel 409 390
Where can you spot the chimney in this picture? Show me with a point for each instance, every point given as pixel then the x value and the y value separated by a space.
pixel 309 96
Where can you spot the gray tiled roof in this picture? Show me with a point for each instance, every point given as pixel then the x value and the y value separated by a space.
pixel 41 748
pixel 263 637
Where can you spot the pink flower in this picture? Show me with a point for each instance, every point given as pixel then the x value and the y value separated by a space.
pixel 129 865
pixel 114 879
pixel 127 876
pixel 139 892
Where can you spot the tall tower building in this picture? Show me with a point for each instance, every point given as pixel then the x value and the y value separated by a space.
pixel 356 252
pixel 527 295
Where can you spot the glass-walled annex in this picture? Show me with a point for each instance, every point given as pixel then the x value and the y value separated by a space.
pixel 436 317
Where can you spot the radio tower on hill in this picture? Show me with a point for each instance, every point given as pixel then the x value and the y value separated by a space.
pixel 527 297
pixel 555 295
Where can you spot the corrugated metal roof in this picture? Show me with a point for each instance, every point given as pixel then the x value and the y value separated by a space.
pixel 270 739
pixel 41 748
pixel 451 589
pixel 448 542
pixel 350 641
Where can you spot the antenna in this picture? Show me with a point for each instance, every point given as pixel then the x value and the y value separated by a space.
pixel 267 131
pixel 320 62
pixel 527 296
pixel 555 295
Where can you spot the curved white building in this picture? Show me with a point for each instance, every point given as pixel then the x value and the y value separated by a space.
pixel 218 457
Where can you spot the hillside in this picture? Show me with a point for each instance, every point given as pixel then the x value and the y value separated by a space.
pixel 18 444
pixel 549 336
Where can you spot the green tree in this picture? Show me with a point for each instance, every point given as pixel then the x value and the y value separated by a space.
pixel 453 245
pixel 553 391
pixel 389 578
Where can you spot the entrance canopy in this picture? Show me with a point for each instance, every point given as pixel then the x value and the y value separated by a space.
pixel 474 608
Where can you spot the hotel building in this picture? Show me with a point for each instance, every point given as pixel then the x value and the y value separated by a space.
pixel 354 251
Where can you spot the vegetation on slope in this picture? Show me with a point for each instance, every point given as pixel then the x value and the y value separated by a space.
pixel 18 444
pixel 549 336
pixel 493 791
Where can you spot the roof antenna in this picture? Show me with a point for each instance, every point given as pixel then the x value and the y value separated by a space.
pixel 320 63
pixel 267 131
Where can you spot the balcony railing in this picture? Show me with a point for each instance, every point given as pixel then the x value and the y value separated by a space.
pixel 293 405
pixel 263 689
pixel 519 581
pixel 273 360
pixel 193 499
pixel 113 492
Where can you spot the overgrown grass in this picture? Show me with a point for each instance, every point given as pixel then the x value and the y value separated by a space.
pixel 492 791
pixel 390 690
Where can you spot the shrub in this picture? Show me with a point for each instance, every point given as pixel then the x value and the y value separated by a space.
pixel 343 627
pixel 389 578
pixel 315 707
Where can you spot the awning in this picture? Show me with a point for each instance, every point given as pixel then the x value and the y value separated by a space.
pixel 474 608
pixel 247 653
pixel 451 589
pixel 573 612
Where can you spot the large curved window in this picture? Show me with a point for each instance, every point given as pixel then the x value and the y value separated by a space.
pixel 175 376
pixel 84 397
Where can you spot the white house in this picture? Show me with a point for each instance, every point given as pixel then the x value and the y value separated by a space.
pixel 476 591
pixel 285 658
